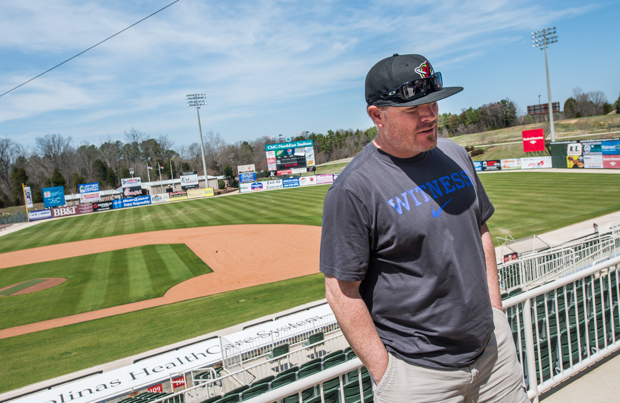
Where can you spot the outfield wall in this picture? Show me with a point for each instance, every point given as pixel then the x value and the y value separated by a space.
pixel 86 208
pixel 287 183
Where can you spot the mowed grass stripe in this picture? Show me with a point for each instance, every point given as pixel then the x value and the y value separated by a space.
pixel 95 289
pixel 139 273
pixel 27 359
pixel 97 281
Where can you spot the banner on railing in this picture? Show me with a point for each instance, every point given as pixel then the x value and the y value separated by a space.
pixel 535 162
pixel 39 215
pixel 511 164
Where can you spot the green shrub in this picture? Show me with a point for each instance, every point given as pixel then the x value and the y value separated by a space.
pixel 221 184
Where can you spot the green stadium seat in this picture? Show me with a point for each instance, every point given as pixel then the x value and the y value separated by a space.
pixel 309 370
pixel 283 380
pixel 334 360
pixel 287 371
pixel 212 399
pixel 330 396
pixel 236 391
pixel 254 391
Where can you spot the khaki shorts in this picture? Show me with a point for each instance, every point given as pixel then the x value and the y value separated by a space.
pixel 495 376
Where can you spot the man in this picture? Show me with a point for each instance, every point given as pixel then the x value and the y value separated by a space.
pixel 409 262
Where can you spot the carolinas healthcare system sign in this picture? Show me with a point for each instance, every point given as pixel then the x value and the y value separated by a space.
pixel 53 197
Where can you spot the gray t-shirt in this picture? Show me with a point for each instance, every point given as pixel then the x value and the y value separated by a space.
pixel 409 229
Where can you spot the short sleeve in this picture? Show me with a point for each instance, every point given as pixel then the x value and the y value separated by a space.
pixel 345 245
pixel 485 205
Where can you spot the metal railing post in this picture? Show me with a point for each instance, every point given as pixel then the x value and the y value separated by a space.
pixel 529 348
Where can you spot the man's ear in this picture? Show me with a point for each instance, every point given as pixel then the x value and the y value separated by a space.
pixel 377 116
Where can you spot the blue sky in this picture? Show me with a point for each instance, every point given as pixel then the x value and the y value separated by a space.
pixel 279 67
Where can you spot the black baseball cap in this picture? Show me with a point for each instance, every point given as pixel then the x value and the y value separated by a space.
pixel 392 72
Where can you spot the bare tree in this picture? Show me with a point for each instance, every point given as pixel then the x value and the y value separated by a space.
pixel 599 99
pixel 54 147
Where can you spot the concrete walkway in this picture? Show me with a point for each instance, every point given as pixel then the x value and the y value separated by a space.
pixel 599 384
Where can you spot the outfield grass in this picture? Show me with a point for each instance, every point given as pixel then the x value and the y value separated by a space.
pixel 528 203
pixel 97 281
pixel 35 357
pixel 289 206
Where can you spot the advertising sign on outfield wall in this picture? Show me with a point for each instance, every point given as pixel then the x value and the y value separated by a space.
pixel 39 215
pixel 160 198
pixel 592 149
pixel 290 183
pixel 307 180
pixel 209 192
pixel 195 193
pixel 129 182
pixel 511 164
pixel 177 196
pixel 321 179
pixel 64 211
pixel 137 201
pixel 103 206
pixel 89 197
pixel 611 161
pixel 274 184
pixel 535 162
pixel 478 166
pixel 85 208
pixel 189 180
pixel 132 191
pixel 491 165
pixel 247 177
pixel 89 187
pixel 533 140
pixel 246 168
pixel 116 204
pixel 593 161
pixel 53 197
pixel 610 148
pixel 574 149
pixel 574 161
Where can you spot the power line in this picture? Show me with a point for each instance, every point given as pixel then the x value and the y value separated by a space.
pixel 84 51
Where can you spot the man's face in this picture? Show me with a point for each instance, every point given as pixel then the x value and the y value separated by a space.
pixel 407 131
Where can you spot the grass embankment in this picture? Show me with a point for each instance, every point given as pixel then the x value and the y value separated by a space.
pixel 493 142
pixel 97 281
pixel 526 203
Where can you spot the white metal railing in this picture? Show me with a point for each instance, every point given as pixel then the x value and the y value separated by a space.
pixel 537 268
pixel 564 326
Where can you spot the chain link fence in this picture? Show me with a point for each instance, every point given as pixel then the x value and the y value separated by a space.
pixel 7 220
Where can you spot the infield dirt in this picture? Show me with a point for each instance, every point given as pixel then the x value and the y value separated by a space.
pixel 240 256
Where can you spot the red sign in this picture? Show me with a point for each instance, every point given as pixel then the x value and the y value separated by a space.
pixel 533 140
pixel 611 161
pixel 156 389
pixel 84 208
pixel 178 382
pixel 285 172
pixel 511 256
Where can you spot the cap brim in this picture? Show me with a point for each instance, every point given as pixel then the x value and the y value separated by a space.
pixel 427 99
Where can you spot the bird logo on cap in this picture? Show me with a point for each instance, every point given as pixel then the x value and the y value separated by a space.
pixel 424 70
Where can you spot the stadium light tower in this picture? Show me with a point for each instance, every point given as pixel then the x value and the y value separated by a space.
pixel 540 39
pixel 199 100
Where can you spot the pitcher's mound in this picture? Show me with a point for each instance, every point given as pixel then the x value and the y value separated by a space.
pixel 29 286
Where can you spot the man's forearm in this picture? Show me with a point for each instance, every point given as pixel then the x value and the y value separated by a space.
pixel 491 263
pixel 357 325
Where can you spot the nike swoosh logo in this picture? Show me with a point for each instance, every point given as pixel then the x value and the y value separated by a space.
pixel 436 213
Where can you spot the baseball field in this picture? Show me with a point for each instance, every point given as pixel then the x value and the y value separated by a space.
pixel 182 243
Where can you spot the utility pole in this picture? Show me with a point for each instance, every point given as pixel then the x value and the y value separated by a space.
pixel 171 174
pixel 540 39
pixel 199 100
pixel 161 186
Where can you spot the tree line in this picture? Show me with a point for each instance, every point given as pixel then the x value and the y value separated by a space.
pixel 56 161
